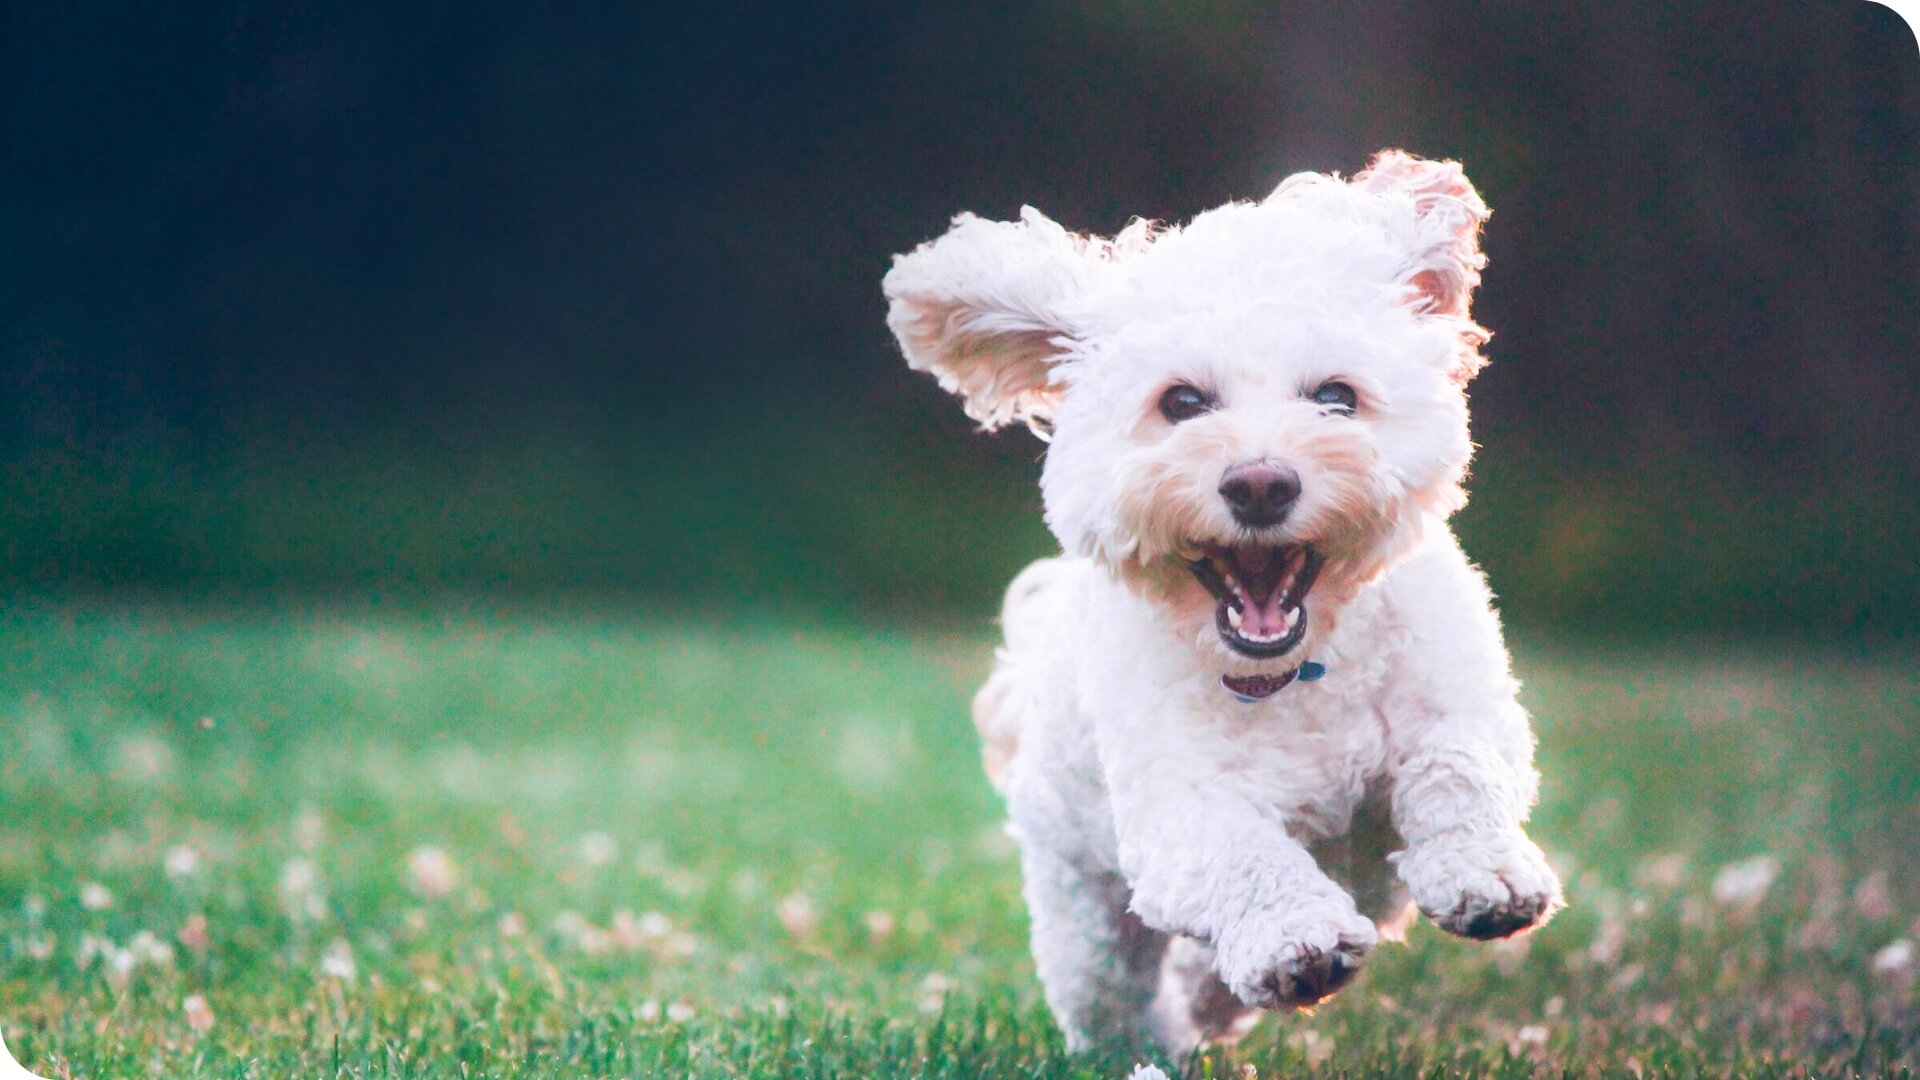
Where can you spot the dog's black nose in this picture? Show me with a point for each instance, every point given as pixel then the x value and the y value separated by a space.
pixel 1260 493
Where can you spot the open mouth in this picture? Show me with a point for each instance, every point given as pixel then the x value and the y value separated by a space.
pixel 1262 591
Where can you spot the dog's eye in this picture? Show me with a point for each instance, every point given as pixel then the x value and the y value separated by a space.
pixel 1183 402
pixel 1336 395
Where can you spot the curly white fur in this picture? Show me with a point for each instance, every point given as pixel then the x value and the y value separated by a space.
pixel 1187 855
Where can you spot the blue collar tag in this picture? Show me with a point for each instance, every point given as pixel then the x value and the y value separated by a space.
pixel 1311 670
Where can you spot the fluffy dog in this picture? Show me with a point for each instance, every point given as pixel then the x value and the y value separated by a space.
pixel 1262 701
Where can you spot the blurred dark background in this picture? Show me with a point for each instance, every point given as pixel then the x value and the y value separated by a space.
pixel 530 303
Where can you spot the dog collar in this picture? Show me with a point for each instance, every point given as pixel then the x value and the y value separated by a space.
pixel 1251 688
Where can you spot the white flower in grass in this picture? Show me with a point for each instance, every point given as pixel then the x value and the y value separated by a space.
pixel 649 1010
pixel 579 932
pixel 1667 871
pixel 1896 960
pixel 182 862
pixel 1529 1036
pixel 513 925
pixel 119 965
pixel 626 931
pixel 148 948
pixel 933 992
pixel 797 914
pixel 300 891
pixel 337 962
pixel 679 1012
pixel 95 896
pixel 1743 885
pixel 1147 1072
pixel 199 1014
pixel 299 877
pixel 597 849
pixel 649 931
pixel 879 925
pixel 431 872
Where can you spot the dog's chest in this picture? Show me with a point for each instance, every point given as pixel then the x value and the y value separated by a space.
pixel 1311 758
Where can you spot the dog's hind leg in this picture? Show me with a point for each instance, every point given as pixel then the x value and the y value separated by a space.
pixel 1194 1007
pixel 1098 964
pixel 1000 707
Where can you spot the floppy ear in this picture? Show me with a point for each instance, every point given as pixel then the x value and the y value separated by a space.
pixel 1445 261
pixel 980 308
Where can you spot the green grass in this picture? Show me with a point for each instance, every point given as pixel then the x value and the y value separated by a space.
pixel 698 849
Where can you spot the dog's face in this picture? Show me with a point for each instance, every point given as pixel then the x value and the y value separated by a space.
pixel 1252 417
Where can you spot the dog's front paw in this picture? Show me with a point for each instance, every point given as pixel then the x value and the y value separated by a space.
pixel 1298 960
pixel 1482 887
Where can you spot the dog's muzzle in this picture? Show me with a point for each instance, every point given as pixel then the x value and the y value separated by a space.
pixel 1262 592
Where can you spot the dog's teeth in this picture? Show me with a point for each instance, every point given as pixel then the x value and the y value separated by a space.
pixel 1293 617
pixel 1233 617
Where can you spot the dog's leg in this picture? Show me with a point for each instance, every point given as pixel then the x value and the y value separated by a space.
pixel 1222 868
pixel 1194 1007
pixel 1460 761
pixel 1469 865
pixel 1098 964
pixel 1205 843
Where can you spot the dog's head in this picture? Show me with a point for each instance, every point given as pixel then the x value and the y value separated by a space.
pixel 1252 416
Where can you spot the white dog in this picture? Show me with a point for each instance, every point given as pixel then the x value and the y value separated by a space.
pixel 1263 696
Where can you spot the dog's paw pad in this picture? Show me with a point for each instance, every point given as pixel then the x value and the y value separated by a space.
pixel 1301 970
pixel 1311 976
pixel 1483 891
pixel 1485 919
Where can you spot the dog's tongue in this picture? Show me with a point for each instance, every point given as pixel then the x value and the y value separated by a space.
pixel 1262 617
pixel 1263 578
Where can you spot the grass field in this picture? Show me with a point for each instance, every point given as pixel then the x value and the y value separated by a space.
pixel 461 846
